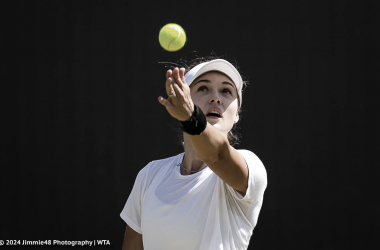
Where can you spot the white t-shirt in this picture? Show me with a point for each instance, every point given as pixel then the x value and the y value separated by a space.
pixel 193 212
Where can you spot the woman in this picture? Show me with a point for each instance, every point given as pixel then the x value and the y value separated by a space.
pixel 208 197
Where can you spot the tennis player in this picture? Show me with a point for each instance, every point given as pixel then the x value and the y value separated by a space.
pixel 208 197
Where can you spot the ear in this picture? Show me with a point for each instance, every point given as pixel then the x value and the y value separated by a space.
pixel 237 118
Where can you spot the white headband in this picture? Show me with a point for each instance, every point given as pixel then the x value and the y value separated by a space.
pixel 217 65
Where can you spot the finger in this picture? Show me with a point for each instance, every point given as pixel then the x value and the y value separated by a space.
pixel 177 79
pixel 178 91
pixel 172 95
pixel 169 73
pixel 169 79
pixel 169 87
pixel 182 75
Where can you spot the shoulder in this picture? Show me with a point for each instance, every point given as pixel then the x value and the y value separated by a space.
pixel 160 164
pixel 257 171
pixel 156 167
pixel 251 159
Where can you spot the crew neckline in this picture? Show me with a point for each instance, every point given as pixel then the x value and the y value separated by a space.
pixel 178 160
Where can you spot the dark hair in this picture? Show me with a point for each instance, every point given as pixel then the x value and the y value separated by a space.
pixel 233 135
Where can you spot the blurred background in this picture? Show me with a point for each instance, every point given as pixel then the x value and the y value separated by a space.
pixel 80 81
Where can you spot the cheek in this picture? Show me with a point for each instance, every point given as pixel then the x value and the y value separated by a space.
pixel 232 108
pixel 198 98
pixel 194 98
pixel 232 116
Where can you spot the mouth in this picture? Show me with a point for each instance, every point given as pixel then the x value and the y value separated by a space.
pixel 214 113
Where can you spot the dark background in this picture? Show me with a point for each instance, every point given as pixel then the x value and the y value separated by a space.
pixel 80 81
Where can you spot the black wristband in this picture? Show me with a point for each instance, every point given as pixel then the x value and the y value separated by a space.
pixel 197 123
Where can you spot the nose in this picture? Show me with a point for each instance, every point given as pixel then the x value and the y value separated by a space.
pixel 215 99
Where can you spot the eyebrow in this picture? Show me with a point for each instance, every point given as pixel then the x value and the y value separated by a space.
pixel 208 81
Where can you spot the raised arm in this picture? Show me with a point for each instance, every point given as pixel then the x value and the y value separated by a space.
pixel 211 146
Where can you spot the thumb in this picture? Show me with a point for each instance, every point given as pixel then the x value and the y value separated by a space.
pixel 164 102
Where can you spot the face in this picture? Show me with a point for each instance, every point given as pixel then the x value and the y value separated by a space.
pixel 216 95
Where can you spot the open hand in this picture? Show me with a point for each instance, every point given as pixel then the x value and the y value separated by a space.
pixel 179 103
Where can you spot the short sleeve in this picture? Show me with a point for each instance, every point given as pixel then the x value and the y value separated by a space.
pixel 131 213
pixel 257 179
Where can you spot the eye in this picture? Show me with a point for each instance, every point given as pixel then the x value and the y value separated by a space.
pixel 202 88
pixel 227 91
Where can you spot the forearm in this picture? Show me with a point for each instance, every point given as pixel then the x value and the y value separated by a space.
pixel 211 146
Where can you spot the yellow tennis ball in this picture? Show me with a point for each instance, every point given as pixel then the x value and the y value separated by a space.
pixel 172 37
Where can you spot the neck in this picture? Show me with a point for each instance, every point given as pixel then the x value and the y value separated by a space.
pixel 190 164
